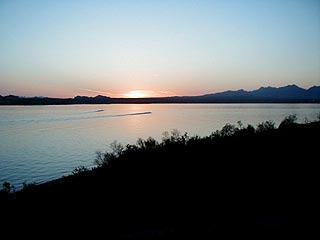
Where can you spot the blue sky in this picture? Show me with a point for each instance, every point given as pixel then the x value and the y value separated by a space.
pixel 67 48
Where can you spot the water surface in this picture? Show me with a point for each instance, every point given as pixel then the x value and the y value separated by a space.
pixel 40 143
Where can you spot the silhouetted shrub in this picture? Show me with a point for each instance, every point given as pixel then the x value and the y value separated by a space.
pixel 103 158
pixel 228 130
pixel 306 120
pixel 174 137
pixel 288 120
pixel 148 144
pixel 265 126
pixel 250 128
pixel 117 148
pixel 28 186
pixel 7 187
pixel 80 169
pixel 240 124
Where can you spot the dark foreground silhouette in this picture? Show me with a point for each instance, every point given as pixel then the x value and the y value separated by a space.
pixel 240 181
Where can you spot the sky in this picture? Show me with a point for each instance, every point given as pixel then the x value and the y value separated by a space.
pixel 143 48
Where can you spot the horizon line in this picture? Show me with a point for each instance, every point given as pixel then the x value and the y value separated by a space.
pixel 239 89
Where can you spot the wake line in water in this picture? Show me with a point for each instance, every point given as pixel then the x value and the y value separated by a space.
pixel 95 111
pixel 31 121
pixel 119 115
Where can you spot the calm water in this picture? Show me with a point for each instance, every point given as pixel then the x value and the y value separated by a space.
pixel 40 143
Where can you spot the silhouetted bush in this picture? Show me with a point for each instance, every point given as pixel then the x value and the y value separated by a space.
pixel 265 126
pixel 79 170
pixel 7 187
pixel 228 130
pixel 289 120
pixel 103 158
pixel 28 186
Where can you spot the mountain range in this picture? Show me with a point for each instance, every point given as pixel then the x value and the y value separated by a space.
pixel 286 94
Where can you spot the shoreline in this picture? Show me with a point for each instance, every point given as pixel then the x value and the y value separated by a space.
pixel 238 179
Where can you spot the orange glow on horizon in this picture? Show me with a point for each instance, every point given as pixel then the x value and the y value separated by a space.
pixel 135 94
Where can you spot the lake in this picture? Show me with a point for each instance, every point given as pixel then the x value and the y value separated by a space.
pixel 41 143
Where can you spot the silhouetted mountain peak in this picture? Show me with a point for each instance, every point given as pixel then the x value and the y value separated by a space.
pixel 266 94
pixel 292 87
pixel 12 97
pixel 80 97
pixel 314 88
pixel 101 97
pixel 289 92
pixel 264 88
pixel 314 91
pixel 228 93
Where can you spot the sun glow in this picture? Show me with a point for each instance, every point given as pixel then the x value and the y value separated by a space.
pixel 135 94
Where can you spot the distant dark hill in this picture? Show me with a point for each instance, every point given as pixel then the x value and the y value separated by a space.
pixel 314 92
pixel 290 93
pixel 287 94
pixel 15 100
pixel 91 100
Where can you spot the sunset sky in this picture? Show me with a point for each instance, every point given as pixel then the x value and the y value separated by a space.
pixel 138 48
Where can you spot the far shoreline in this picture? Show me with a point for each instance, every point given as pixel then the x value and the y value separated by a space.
pixel 263 95
pixel 159 103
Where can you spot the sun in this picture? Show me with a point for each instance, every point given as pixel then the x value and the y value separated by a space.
pixel 135 94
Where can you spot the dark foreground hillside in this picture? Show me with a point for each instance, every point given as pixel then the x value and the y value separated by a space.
pixel 240 181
